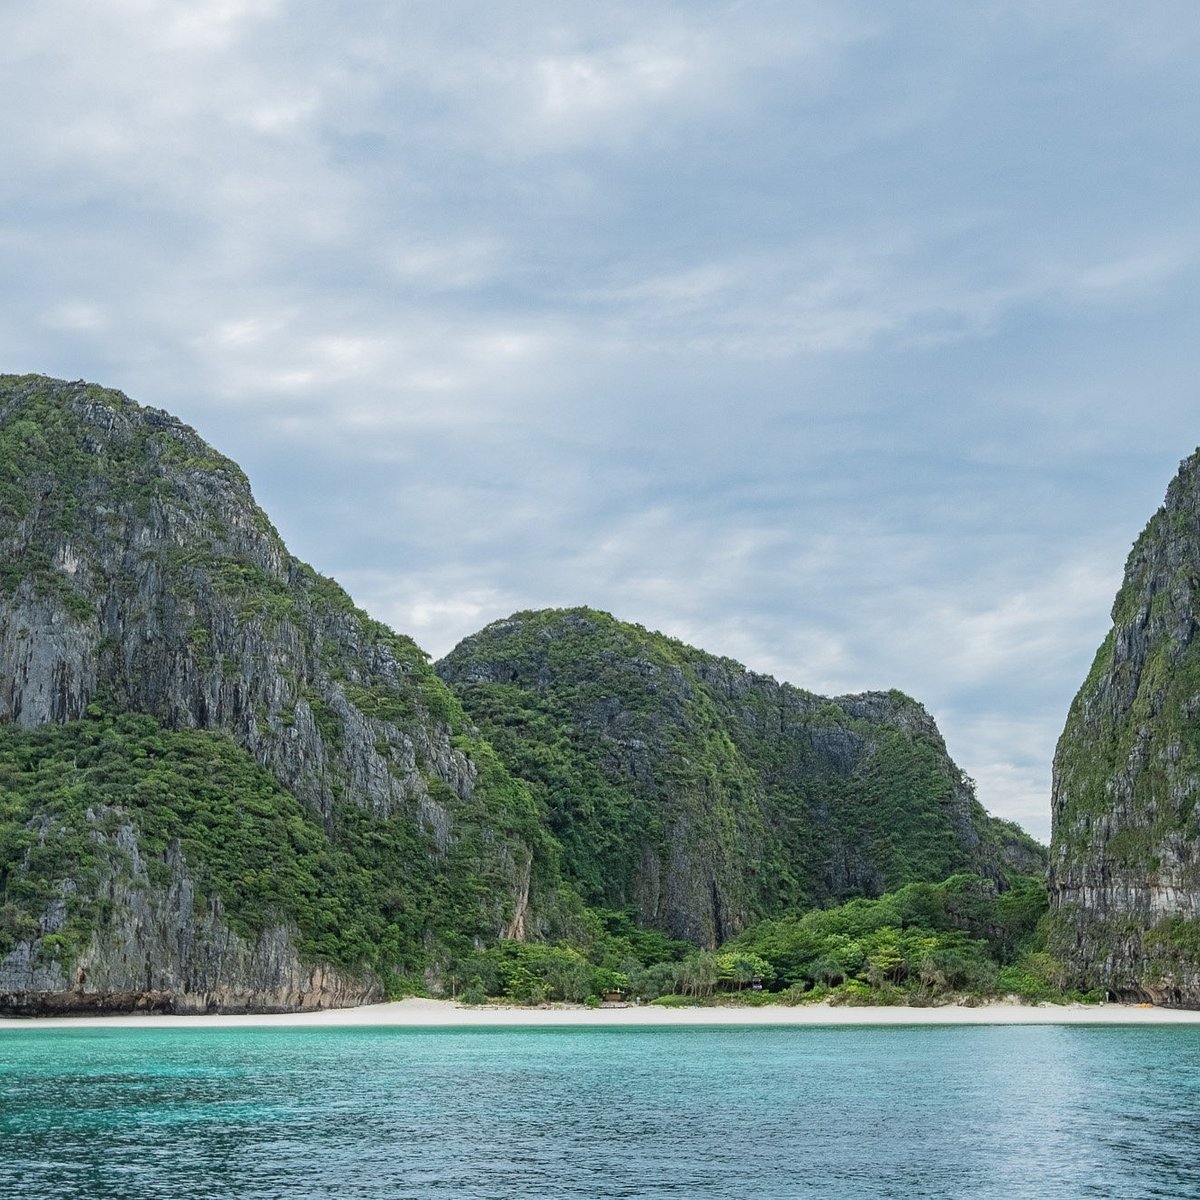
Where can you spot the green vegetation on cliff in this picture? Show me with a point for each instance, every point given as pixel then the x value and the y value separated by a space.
pixel 702 796
pixel 361 893
pixel 140 576
pixel 578 741
pixel 216 771
pixel 1125 856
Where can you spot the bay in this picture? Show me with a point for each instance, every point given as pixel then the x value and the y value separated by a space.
pixel 843 1113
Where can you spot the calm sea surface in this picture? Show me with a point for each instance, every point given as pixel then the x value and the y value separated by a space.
pixel 834 1113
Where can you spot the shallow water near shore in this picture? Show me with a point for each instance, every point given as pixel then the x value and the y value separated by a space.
pixel 700 1112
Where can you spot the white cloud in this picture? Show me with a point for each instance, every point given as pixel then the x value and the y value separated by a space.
pixel 852 343
pixel 836 296
pixel 405 373
pixel 574 88
pixel 1132 274
pixel 76 316
pixel 432 615
pixel 281 114
pixel 444 266
pixel 188 24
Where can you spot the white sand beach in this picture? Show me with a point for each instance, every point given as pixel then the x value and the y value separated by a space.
pixel 423 1013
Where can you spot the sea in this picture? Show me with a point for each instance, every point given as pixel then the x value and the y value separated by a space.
pixel 767 1112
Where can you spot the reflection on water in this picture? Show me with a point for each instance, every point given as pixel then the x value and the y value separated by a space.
pixel 767 1113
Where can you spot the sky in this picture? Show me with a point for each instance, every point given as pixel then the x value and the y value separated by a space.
pixel 856 341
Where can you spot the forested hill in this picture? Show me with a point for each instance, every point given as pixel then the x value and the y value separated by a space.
pixel 223 786
pixel 705 796
pixel 223 782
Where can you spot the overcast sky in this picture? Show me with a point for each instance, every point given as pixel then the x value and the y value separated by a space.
pixel 855 340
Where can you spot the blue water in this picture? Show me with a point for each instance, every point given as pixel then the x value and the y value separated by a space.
pixel 767 1113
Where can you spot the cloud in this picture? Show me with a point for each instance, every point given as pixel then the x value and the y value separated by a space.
pixel 573 90
pixel 75 316
pixel 853 341
pixel 830 296
pixel 843 616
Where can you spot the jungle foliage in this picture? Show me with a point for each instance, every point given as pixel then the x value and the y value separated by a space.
pixel 922 944
pixel 586 770
pixel 363 892
pixel 628 737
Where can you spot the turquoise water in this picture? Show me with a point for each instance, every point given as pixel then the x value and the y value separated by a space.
pixel 836 1113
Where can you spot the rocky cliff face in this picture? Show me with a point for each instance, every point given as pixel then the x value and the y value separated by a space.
pixel 1125 854
pixel 704 795
pixel 138 575
pixel 141 572
pixel 164 947
pixel 222 786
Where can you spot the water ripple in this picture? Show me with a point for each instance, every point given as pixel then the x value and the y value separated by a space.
pixel 363 1114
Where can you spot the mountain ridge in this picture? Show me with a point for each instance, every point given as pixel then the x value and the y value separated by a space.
pixel 695 738
pixel 223 786
pixel 142 577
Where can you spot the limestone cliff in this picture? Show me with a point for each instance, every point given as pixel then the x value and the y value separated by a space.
pixel 704 795
pixel 222 786
pixel 137 575
pixel 164 946
pixel 1125 854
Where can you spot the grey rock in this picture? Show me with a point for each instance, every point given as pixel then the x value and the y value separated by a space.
pixel 1125 854
pixel 143 576
pixel 743 797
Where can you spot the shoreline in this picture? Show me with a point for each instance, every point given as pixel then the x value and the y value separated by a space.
pixel 417 1013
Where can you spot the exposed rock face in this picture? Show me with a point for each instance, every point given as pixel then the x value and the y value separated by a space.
pixel 224 787
pixel 141 571
pixel 1125 855
pixel 705 795
pixel 168 949
pixel 137 574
